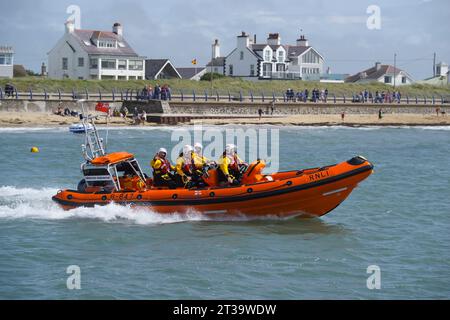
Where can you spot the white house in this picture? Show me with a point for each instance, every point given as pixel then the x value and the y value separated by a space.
pixel 89 54
pixel 272 60
pixel 6 62
pixel 383 73
pixel 217 63
pixel 441 69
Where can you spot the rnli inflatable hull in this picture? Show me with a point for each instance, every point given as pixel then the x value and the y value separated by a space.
pixel 310 192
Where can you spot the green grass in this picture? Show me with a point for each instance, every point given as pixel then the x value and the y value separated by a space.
pixel 234 85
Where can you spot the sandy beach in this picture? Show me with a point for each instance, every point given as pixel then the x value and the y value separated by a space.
pixel 37 119
pixel 333 120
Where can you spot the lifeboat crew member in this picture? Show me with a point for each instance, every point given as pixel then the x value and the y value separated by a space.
pixel 186 167
pixel 190 168
pixel 229 165
pixel 199 159
pixel 162 170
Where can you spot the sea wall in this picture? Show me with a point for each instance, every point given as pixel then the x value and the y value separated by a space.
pixel 236 108
pixel 226 108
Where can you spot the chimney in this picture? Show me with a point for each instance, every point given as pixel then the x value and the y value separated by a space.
pixel 117 29
pixel 70 26
pixel 216 49
pixel 274 39
pixel 243 40
pixel 302 42
pixel 377 65
pixel 254 38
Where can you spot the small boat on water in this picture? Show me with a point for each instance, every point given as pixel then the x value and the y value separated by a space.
pixel 117 178
pixel 80 127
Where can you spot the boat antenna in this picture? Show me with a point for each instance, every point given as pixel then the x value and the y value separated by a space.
pixel 93 146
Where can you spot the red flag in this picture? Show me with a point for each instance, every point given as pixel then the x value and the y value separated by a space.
pixel 102 107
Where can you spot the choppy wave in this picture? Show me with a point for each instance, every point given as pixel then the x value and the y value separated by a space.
pixel 29 203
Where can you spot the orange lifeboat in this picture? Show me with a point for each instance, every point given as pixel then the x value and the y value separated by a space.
pixel 309 192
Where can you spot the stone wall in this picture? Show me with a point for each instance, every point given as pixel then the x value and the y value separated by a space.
pixel 235 108
pixel 226 108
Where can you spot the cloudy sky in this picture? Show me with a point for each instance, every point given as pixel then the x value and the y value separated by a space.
pixel 182 30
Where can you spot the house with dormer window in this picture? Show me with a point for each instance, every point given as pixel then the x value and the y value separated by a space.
pixel 273 60
pixel 91 54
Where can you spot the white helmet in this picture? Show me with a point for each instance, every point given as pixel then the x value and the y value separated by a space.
pixel 230 149
pixel 162 150
pixel 187 150
pixel 198 147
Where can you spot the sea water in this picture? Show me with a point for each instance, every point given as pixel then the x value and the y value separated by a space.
pixel 398 220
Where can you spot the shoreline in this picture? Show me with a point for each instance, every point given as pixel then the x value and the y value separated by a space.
pixel 41 119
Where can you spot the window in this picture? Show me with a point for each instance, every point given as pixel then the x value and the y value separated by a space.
pixel 65 63
pixel 387 79
pixel 106 44
pixel 242 55
pixel 93 63
pixel 6 59
pixel 403 79
pixel 80 78
pixel 280 67
pixel 267 55
pixel 122 65
pixel 267 69
pixel 135 65
pixel 281 56
pixel 252 69
pixel 108 64
pixel 230 68
pixel 81 62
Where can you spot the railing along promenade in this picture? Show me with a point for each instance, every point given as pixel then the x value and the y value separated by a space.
pixel 116 95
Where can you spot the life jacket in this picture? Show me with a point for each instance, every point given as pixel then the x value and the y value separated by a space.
pixel 234 162
pixel 164 168
pixel 188 166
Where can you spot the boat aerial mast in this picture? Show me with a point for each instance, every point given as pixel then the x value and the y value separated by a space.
pixel 93 146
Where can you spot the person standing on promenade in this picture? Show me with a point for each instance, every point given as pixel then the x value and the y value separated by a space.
pixel 342 115
pixel 380 114
pixel 260 112
pixel 438 109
